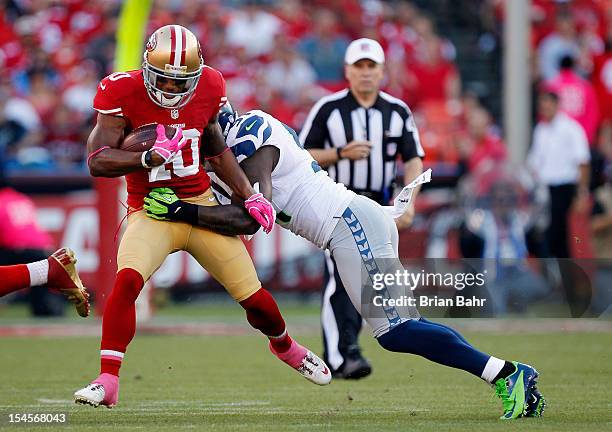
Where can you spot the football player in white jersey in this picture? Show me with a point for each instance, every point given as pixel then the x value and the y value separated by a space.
pixel 359 234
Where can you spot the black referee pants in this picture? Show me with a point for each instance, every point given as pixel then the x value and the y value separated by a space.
pixel 340 320
pixel 577 287
pixel 561 198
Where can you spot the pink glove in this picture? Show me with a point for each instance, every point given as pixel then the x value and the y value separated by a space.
pixel 262 211
pixel 165 147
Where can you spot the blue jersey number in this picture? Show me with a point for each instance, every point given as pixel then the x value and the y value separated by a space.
pixel 249 126
pixel 246 148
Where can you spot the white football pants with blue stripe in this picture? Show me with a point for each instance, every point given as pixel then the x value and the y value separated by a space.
pixel 364 243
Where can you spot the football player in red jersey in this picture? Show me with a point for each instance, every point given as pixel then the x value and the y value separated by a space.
pixel 175 88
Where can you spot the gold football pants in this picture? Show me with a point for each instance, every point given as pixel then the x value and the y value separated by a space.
pixel 147 242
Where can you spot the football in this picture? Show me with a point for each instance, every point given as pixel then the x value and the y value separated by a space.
pixel 143 138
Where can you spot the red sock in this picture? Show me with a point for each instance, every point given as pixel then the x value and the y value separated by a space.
pixel 281 344
pixel 110 364
pixel 13 278
pixel 119 320
pixel 263 314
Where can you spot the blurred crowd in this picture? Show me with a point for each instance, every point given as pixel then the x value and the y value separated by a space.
pixel 282 56
pixel 277 56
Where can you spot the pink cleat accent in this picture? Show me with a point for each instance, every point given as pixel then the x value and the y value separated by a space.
pixel 111 388
pixel 293 356
pixel 308 364
pixel 104 390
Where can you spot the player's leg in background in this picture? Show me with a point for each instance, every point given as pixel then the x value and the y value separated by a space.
pixel 42 272
pixel 557 235
pixel 18 276
pixel 144 246
pixel 341 324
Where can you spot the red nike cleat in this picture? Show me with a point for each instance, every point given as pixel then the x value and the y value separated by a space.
pixel 63 277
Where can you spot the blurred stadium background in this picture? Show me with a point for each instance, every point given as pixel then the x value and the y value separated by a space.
pixel 469 70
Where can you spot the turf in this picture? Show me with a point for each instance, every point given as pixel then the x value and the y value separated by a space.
pixel 218 383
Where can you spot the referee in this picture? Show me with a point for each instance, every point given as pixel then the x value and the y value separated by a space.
pixel 357 134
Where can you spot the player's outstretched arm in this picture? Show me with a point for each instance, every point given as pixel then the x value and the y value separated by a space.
pixel 163 204
pixel 105 159
pixel 233 219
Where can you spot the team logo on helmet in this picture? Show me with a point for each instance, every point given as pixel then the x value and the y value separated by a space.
pixel 151 43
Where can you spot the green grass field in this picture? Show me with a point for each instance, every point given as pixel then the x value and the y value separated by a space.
pixel 228 383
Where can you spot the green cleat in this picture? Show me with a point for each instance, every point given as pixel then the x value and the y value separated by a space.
pixel 516 390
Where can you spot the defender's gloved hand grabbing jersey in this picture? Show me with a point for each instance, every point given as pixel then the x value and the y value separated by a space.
pixel 163 204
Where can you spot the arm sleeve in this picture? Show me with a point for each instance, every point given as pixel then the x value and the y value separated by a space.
pixel 410 140
pixel 592 111
pixel 314 133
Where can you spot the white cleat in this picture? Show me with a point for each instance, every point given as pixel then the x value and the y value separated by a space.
pixel 92 395
pixel 314 369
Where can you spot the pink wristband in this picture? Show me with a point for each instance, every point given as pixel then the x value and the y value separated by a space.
pixel 216 156
pixel 95 153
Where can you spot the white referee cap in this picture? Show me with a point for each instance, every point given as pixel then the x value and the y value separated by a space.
pixel 364 48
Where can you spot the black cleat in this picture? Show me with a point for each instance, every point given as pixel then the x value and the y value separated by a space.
pixel 354 368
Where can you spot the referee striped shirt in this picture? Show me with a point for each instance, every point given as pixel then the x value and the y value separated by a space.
pixel 388 126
